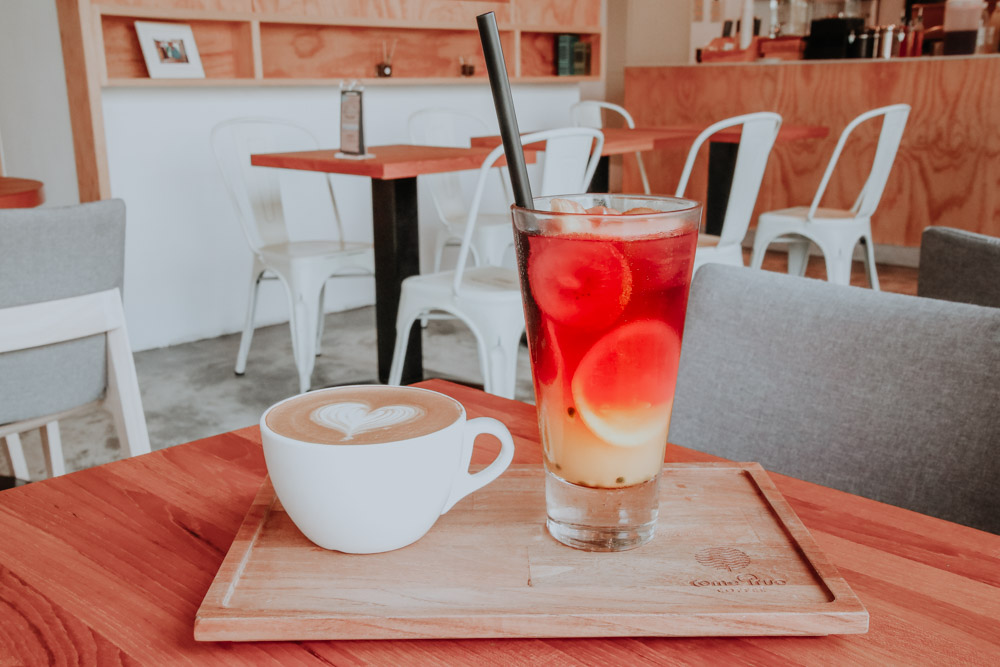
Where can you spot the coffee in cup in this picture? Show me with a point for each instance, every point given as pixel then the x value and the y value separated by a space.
pixel 369 468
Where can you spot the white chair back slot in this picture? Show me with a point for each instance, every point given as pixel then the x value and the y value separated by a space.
pixel 756 140
pixel 567 167
pixel 894 119
pixel 257 192
pixel 571 155
pixel 451 128
pixel 589 113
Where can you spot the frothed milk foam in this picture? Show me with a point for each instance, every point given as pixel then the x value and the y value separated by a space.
pixel 363 415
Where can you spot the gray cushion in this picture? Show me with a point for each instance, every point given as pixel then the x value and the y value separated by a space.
pixel 956 265
pixel 55 253
pixel 892 397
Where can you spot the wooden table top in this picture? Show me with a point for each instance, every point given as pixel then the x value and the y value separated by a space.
pixel 20 192
pixel 109 566
pixel 389 162
pixel 619 140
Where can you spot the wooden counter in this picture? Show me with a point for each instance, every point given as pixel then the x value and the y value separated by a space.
pixel 947 171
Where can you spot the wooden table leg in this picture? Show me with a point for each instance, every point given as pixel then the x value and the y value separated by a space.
pixel 397 256
pixel 721 165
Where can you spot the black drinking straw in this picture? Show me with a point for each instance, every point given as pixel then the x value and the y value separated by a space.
pixel 500 85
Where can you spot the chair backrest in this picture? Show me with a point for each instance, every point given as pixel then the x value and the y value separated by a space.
pixel 453 128
pixel 589 113
pixel 574 150
pixel 884 395
pixel 570 160
pixel 256 191
pixel 46 255
pixel 956 265
pixel 893 124
pixel 756 140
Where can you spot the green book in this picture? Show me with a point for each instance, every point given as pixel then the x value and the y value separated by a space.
pixel 564 54
pixel 581 58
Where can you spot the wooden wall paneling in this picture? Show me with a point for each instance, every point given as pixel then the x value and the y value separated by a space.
pixel 460 13
pixel 122 55
pixel 82 65
pixel 947 170
pixel 558 13
pixel 537 54
pixel 315 51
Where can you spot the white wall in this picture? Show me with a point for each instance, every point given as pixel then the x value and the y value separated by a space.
pixel 34 110
pixel 657 32
pixel 186 263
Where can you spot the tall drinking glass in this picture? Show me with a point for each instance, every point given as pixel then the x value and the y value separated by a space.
pixel 605 296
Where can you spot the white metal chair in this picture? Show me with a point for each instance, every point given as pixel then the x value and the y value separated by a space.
pixel 588 113
pixel 756 140
pixel 487 298
pixel 63 344
pixel 302 265
pixel 836 231
pixel 449 127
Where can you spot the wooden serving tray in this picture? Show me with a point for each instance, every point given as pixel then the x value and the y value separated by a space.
pixel 729 558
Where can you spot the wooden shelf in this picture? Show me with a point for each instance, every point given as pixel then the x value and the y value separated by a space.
pixel 367 81
pixel 316 45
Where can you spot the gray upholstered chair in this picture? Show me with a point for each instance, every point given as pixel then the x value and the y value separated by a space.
pixel 956 265
pixel 892 397
pixel 63 344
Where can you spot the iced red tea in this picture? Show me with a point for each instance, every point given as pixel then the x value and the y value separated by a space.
pixel 605 297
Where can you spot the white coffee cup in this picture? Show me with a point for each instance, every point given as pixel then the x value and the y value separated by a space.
pixel 370 468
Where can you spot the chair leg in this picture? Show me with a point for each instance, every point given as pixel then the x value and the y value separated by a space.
pixel 502 364
pixel 760 244
pixel 321 320
pixel 55 464
pixel 403 326
pixel 15 457
pixel 247 337
pixel 439 245
pixel 838 265
pixel 303 295
pixel 798 256
pixel 869 256
pixel 122 398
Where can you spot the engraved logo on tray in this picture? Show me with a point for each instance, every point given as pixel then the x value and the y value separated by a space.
pixel 723 558
pixel 730 559
pixel 354 418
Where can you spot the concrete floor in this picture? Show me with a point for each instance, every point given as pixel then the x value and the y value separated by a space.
pixel 189 391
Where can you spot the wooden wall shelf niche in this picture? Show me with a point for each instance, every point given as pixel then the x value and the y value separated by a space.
pixel 309 51
pixel 306 42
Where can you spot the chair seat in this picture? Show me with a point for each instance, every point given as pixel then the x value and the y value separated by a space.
pixel 708 240
pixel 486 283
pixel 303 249
pixel 801 213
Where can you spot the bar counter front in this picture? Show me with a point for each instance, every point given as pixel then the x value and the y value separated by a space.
pixel 947 171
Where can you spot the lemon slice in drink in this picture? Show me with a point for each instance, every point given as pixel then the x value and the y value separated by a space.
pixel 624 385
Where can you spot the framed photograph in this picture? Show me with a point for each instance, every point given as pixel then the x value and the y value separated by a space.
pixel 169 50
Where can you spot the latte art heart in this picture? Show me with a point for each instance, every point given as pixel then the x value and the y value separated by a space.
pixel 353 418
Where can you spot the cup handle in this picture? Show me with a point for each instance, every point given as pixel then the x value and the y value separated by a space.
pixel 466 483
